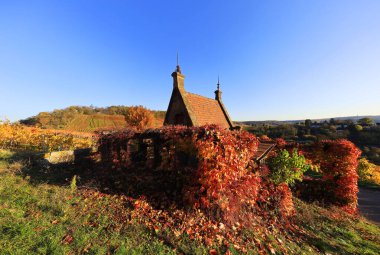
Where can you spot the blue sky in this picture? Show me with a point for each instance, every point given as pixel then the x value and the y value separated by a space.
pixel 276 59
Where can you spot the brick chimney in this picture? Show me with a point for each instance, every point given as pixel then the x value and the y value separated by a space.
pixel 178 77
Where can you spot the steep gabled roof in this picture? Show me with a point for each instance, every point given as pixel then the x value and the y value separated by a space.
pixel 263 150
pixel 206 111
pixel 194 110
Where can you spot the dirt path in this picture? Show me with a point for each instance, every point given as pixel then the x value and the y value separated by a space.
pixel 369 204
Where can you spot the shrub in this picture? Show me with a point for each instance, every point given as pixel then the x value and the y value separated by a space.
pixel 368 172
pixel 375 175
pixel 204 168
pixel 337 161
pixel 222 183
pixel 281 143
pixel 364 169
pixel 265 138
pixel 287 168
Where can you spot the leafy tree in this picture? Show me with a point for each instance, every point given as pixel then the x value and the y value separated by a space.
pixel 32 121
pixel 283 131
pixel 308 123
pixel 286 167
pixel 139 117
pixel 113 110
pixel 366 122
pixel 354 131
pixel 61 118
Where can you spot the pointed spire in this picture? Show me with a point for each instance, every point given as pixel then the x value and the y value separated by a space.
pixel 218 93
pixel 178 68
pixel 178 77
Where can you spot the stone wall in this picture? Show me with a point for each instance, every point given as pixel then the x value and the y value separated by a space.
pixel 148 150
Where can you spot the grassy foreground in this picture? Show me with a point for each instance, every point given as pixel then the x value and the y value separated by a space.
pixel 44 215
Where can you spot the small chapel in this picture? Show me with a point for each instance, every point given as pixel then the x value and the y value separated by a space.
pixel 190 109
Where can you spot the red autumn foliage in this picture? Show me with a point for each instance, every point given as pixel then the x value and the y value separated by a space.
pixel 338 160
pixel 205 168
pixel 222 183
pixel 281 143
pixel 285 201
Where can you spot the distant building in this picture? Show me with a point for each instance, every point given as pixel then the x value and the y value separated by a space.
pixel 190 109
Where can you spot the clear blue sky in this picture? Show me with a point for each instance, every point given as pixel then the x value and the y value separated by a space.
pixel 276 59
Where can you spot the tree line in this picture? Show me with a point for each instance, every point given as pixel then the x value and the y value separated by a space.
pixel 135 116
pixel 365 133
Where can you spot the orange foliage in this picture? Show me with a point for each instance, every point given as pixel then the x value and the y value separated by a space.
pixel 139 117
pixel 16 136
pixel 265 138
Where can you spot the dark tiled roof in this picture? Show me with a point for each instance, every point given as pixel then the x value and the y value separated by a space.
pixel 264 149
pixel 206 111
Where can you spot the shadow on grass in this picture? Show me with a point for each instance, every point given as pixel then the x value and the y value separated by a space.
pixel 369 185
pixel 162 189
pixel 39 170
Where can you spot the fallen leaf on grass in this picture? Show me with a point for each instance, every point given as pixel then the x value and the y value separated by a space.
pixel 68 239
pixel 271 249
pixel 86 249
pixel 213 252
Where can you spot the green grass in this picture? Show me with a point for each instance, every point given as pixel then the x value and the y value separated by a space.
pixel 39 220
pixel 42 214
pixel 331 231
pixel 42 219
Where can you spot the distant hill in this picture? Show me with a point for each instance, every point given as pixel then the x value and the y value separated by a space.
pixel 88 123
pixel 87 119
pixel 376 118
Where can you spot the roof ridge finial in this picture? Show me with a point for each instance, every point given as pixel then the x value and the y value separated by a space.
pixel 218 84
pixel 178 69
